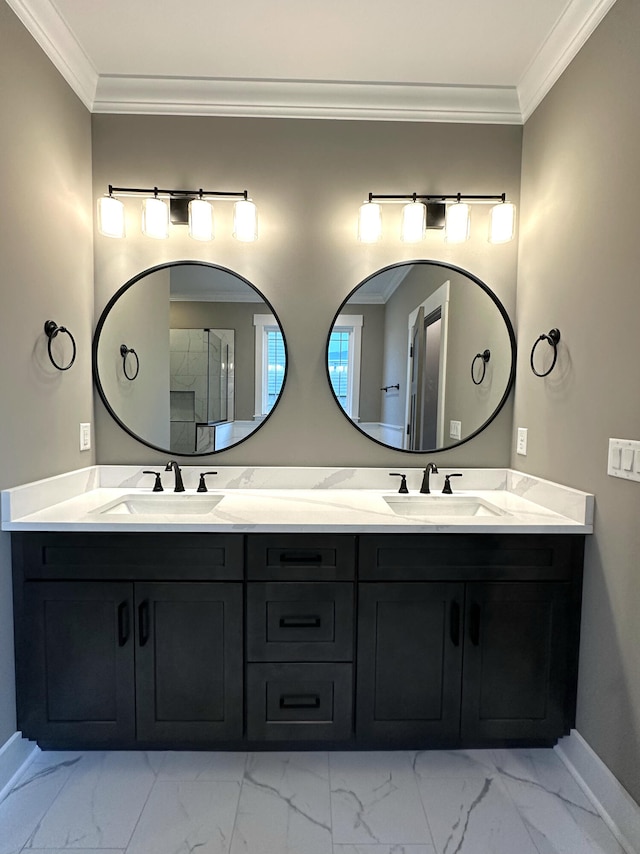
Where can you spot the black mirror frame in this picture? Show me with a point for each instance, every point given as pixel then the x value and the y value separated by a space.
pixel 512 342
pixel 103 318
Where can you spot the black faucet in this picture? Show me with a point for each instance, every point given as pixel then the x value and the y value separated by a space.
pixel 172 464
pixel 431 467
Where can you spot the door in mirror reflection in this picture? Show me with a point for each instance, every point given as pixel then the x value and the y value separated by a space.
pixel 400 355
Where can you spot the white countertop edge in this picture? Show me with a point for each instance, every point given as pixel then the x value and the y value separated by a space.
pixel 70 501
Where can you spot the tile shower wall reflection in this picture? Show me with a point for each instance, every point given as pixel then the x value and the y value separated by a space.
pixel 201 386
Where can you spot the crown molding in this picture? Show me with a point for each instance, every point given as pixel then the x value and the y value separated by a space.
pixel 579 19
pixel 311 99
pixel 55 38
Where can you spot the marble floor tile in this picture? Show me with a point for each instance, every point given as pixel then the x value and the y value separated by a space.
pixel 474 816
pixel 22 809
pixel 284 805
pixel 375 799
pixel 384 849
pixel 203 765
pixel 184 816
pixel 100 803
pixel 558 815
pixel 453 763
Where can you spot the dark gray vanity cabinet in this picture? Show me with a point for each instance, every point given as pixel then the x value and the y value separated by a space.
pixel 104 662
pixel 475 658
pixel 286 640
pixel 299 638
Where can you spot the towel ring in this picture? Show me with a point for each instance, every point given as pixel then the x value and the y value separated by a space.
pixel 553 337
pixel 124 352
pixel 51 329
pixel 484 358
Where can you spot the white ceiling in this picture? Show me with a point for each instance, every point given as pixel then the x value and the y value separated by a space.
pixel 461 60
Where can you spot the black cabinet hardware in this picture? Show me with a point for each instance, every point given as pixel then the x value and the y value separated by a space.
pixel 300 622
pixel 300 557
pixel 143 622
pixel 299 701
pixel 124 626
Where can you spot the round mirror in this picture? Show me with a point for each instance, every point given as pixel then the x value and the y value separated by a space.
pixel 421 356
pixel 189 358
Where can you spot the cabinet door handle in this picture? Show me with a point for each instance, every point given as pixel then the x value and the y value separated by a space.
pixel 454 623
pixel 288 557
pixel 143 622
pixel 474 624
pixel 299 701
pixel 124 626
pixel 303 621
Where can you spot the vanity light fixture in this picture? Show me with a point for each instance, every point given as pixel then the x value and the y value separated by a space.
pixel 448 212
pixel 245 221
pixel 110 216
pixel 369 223
pixel 502 223
pixel 456 226
pixel 162 208
pixel 155 217
pixel 414 222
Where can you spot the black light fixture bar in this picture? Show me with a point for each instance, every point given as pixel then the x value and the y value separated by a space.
pixel 155 191
pixel 437 197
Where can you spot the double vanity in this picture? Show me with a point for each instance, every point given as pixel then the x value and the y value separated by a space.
pixel 295 607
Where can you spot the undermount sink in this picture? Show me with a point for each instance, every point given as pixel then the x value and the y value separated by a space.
pixel 165 505
pixel 428 506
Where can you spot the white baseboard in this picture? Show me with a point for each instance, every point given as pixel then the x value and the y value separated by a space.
pixel 15 756
pixel 616 806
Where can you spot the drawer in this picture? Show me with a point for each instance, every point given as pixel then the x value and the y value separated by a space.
pixel 470 557
pixel 299 621
pixel 135 556
pixel 298 557
pixel 299 702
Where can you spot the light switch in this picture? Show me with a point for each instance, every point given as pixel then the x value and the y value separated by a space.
pixel 85 437
pixel 521 444
pixel 624 459
pixel 615 457
pixel 455 429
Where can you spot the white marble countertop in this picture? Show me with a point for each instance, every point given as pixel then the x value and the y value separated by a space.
pixel 294 500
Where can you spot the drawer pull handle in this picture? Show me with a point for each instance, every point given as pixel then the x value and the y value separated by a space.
pixel 299 701
pixel 286 557
pixel 143 622
pixel 454 624
pixel 123 623
pixel 474 624
pixel 300 622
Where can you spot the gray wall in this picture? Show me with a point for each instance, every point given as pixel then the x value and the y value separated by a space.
pixel 45 273
pixel 308 179
pixel 578 270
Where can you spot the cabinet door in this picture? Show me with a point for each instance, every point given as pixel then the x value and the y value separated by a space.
pixel 189 661
pixel 76 662
pixel 409 662
pixel 515 660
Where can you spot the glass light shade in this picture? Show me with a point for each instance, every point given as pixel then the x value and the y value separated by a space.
pixel 200 219
pixel 369 223
pixel 155 218
pixel 456 227
pixel 245 221
pixel 502 223
pixel 110 217
pixel 414 220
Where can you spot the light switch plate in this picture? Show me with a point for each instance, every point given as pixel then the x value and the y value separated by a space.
pixel 521 445
pixel 624 459
pixel 85 437
pixel 455 429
